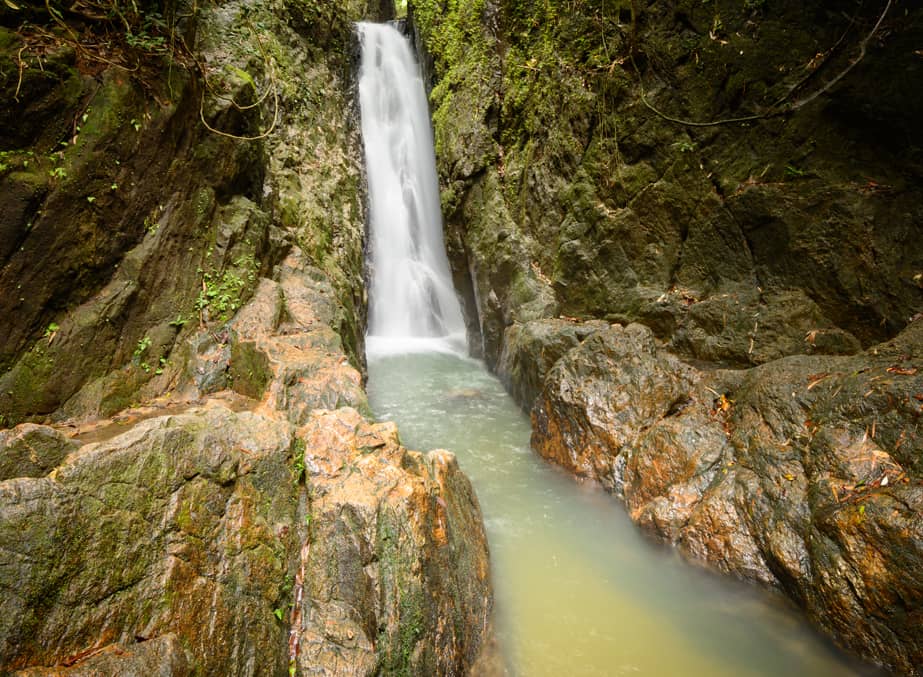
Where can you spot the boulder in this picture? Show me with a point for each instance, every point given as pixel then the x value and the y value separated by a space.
pixel 395 575
pixel 181 525
pixel 531 349
pixel 215 542
pixel 31 450
pixel 804 473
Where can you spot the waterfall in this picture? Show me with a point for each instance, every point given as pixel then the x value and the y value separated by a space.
pixel 411 295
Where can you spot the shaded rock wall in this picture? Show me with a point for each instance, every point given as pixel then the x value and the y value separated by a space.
pixel 130 222
pixel 592 173
pixel 565 194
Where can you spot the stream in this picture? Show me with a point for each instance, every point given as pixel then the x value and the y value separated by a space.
pixel 579 591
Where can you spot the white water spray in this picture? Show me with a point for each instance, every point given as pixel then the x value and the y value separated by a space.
pixel 412 296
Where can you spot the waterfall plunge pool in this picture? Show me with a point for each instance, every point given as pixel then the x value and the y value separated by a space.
pixel 579 590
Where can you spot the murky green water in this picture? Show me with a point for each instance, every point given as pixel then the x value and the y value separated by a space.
pixel 579 590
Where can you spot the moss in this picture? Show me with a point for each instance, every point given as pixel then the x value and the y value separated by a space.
pixel 404 599
pixel 27 385
pixel 249 369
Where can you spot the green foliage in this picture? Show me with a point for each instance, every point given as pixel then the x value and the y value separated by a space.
pixel 222 293
pixel 793 172
pixel 298 466
pixel 140 349
pixel 179 322
pixel 15 159
pixel 126 27
pixel 148 36
pixel 143 344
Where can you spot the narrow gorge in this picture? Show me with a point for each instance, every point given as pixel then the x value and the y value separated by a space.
pixel 682 253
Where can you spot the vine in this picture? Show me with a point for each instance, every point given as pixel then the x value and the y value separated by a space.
pixel 781 106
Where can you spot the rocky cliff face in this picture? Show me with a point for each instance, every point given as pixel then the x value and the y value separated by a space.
pixel 199 490
pixel 567 194
pixel 149 192
pixel 738 183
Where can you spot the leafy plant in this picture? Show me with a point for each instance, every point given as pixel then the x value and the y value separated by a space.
pixel 298 465
pixel 143 344
pixel 221 295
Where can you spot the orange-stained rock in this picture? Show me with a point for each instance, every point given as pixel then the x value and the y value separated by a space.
pixel 805 473
pixel 397 554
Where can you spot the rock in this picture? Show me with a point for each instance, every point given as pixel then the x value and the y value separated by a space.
pixel 803 473
pixel 396 574
pixel 159 657
pixel 554 170
pixel 743 328
pixel 181 525
pixel 600 395
pixel 197 542
pixel 30 450
pixel 531 349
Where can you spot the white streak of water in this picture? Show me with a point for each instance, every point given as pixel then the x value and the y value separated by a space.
pixel 411 287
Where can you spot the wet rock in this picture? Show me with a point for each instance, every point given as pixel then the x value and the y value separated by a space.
pixel 396 572
pixel 744 327
pixel 601 395
pixel 199 542
pixel 159 657
pixel 531 349
pixel 803 473
pixel 181 525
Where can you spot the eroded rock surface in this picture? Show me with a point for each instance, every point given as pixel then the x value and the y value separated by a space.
pixel 395 575
pixel 804 473
pixel 251 532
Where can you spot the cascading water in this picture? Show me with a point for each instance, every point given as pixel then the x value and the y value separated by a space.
pixel 578 590
pixel 411 287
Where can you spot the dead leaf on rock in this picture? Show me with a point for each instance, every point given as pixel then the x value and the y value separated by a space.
pixel 814 379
